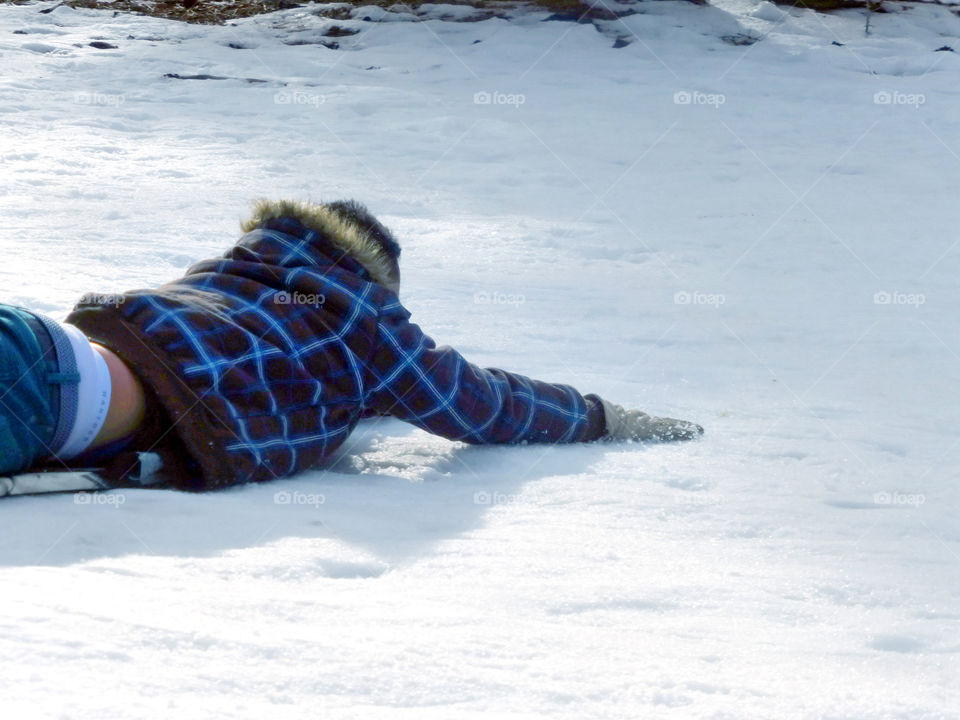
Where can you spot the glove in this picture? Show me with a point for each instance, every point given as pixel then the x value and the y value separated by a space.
pixel 623 424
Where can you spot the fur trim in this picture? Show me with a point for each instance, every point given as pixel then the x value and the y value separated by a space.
pixel 346 235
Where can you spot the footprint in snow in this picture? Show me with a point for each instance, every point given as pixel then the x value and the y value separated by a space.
pixel 42 48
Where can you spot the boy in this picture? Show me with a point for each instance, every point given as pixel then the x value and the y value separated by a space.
pixel 259 364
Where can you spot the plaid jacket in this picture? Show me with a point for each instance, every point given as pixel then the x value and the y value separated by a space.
pixel 264 360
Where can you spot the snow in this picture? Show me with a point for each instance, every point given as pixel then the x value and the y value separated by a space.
pixel 761 238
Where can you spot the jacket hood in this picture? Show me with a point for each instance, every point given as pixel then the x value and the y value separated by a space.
pixel 345 223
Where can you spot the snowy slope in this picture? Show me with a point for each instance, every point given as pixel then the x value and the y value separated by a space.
pixel 761 238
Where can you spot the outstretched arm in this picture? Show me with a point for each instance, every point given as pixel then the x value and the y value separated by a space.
pixel 438 390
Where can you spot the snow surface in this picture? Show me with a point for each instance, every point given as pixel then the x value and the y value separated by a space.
pixel 775 258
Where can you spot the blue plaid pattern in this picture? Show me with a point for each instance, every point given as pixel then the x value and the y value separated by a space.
pixel 284 343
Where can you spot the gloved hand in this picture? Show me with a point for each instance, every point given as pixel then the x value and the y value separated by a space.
pixel 623 424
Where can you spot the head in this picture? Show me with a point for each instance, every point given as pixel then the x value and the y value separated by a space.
pixel 345 223
pixel 355 213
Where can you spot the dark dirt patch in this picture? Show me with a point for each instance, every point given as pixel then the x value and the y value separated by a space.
pixel 218 12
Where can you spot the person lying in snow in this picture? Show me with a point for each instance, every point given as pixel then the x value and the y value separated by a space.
pixel 259 364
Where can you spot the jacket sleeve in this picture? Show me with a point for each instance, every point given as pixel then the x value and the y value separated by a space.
pixel 436 389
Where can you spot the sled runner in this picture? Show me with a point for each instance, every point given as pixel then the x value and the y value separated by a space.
pixel 145 474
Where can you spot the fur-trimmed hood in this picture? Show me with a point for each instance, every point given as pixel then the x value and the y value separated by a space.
pixel 345 223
